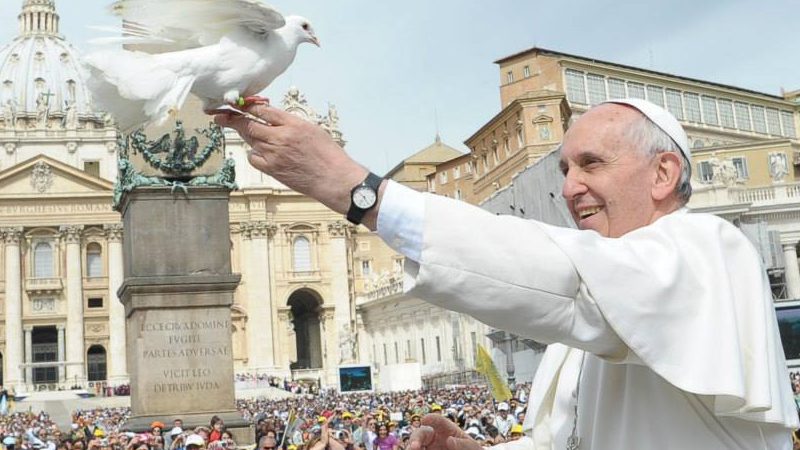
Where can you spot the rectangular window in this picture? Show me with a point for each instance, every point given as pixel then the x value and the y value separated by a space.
pixel 636 90
pixel 773 122
pixel 743 116
pixel 92 168
pixel 456 172
pixel 422 351
pixel 398 265
pixel 438 350
pixel 740 163
pixel 655 94
pixel 366 267
pixel 526 71
pixel 710 116
pixel 468 167
pixel 616 88
pixel 692 103
pixel 726 113
pixel 431 184
pixel 704 171
pixel 43 260
pixel 510 77
pixel 576 86
pixel 787 120
pixel 95 302
pixel 674 103
pixel 759 119
pixel 597 88
pixel 457 195
pixel 443 177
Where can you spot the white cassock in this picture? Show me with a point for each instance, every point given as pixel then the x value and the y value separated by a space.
pixel 670 328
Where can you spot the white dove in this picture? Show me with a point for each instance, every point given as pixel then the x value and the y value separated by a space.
pixel 223 51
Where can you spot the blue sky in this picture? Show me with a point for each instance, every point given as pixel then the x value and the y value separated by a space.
pixel 392 68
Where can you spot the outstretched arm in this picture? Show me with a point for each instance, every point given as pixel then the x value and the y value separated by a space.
pixel 302 156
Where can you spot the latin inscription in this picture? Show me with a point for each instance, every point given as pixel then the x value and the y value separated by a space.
pixel 184 348
pixel 15 210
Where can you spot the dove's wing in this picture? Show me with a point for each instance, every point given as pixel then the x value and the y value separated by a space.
pixel 170 25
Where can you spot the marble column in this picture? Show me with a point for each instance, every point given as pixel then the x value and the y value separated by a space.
pixel 61 353
pixel 260 344
pixel 28 354
pixel 340 290
pixel 792 270
pixel 13 310
pixel 76 371
pixel 118 367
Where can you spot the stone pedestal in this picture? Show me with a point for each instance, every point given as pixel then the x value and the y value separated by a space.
pixel 177 292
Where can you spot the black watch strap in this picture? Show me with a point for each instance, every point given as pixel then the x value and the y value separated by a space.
pixel 355 214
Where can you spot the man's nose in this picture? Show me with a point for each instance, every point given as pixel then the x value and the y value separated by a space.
pixel 573 186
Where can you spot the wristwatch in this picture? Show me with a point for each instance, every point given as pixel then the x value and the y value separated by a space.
pixel 363 197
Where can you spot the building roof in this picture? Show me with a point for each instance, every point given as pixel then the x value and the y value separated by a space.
pixel 435 153
pixel 545 51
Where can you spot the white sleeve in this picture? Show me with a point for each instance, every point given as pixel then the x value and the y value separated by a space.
pixel 401 219
pixel 502 270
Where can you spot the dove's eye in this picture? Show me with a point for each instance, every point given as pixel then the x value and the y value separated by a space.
pixel 305 26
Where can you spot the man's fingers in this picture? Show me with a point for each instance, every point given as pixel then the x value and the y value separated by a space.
pixel 421 438
pixel 273 116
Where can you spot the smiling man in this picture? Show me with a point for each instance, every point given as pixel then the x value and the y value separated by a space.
pixel 661 322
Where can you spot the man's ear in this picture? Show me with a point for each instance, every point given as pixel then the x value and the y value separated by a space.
pixel 668 175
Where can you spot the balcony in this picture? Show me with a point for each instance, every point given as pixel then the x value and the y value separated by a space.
pixel 43 286
pixel 710 197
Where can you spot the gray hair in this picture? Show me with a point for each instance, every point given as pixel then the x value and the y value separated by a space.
pixel 652 140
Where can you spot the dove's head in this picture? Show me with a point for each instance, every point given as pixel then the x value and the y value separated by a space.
pixel 301 28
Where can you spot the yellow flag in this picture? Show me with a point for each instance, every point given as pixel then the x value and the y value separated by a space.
pixel 485 366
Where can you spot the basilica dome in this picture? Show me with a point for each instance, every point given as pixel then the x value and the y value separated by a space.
pixel 40 70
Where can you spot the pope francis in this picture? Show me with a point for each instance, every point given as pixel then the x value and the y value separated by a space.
pixel 661 325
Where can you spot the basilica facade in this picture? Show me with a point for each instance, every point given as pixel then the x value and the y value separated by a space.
pixel 304 268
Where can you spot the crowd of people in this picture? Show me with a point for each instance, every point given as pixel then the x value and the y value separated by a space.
pixel 250 381
pixel 303 422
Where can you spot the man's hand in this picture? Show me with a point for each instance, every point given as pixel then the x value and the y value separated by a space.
pixel 300 155
pixel 439 433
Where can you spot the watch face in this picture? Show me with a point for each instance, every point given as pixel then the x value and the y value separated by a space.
pixel 364 197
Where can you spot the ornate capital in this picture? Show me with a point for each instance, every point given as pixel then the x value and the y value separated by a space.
pixel 72 233
pixel 258 229
pixel 114 232
pixel 10 148
pixel 263 229
pixel 338 229
pixel 12 235
pixel 246 229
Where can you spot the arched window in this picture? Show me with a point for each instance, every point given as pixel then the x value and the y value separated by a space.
pixel 96 363
pixel 94 260
pixel 302 254
pixel 43 260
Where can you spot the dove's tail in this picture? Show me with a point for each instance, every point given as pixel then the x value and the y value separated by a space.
pixel 134 89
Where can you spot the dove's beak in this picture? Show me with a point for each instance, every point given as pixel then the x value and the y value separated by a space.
pixel 314 40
